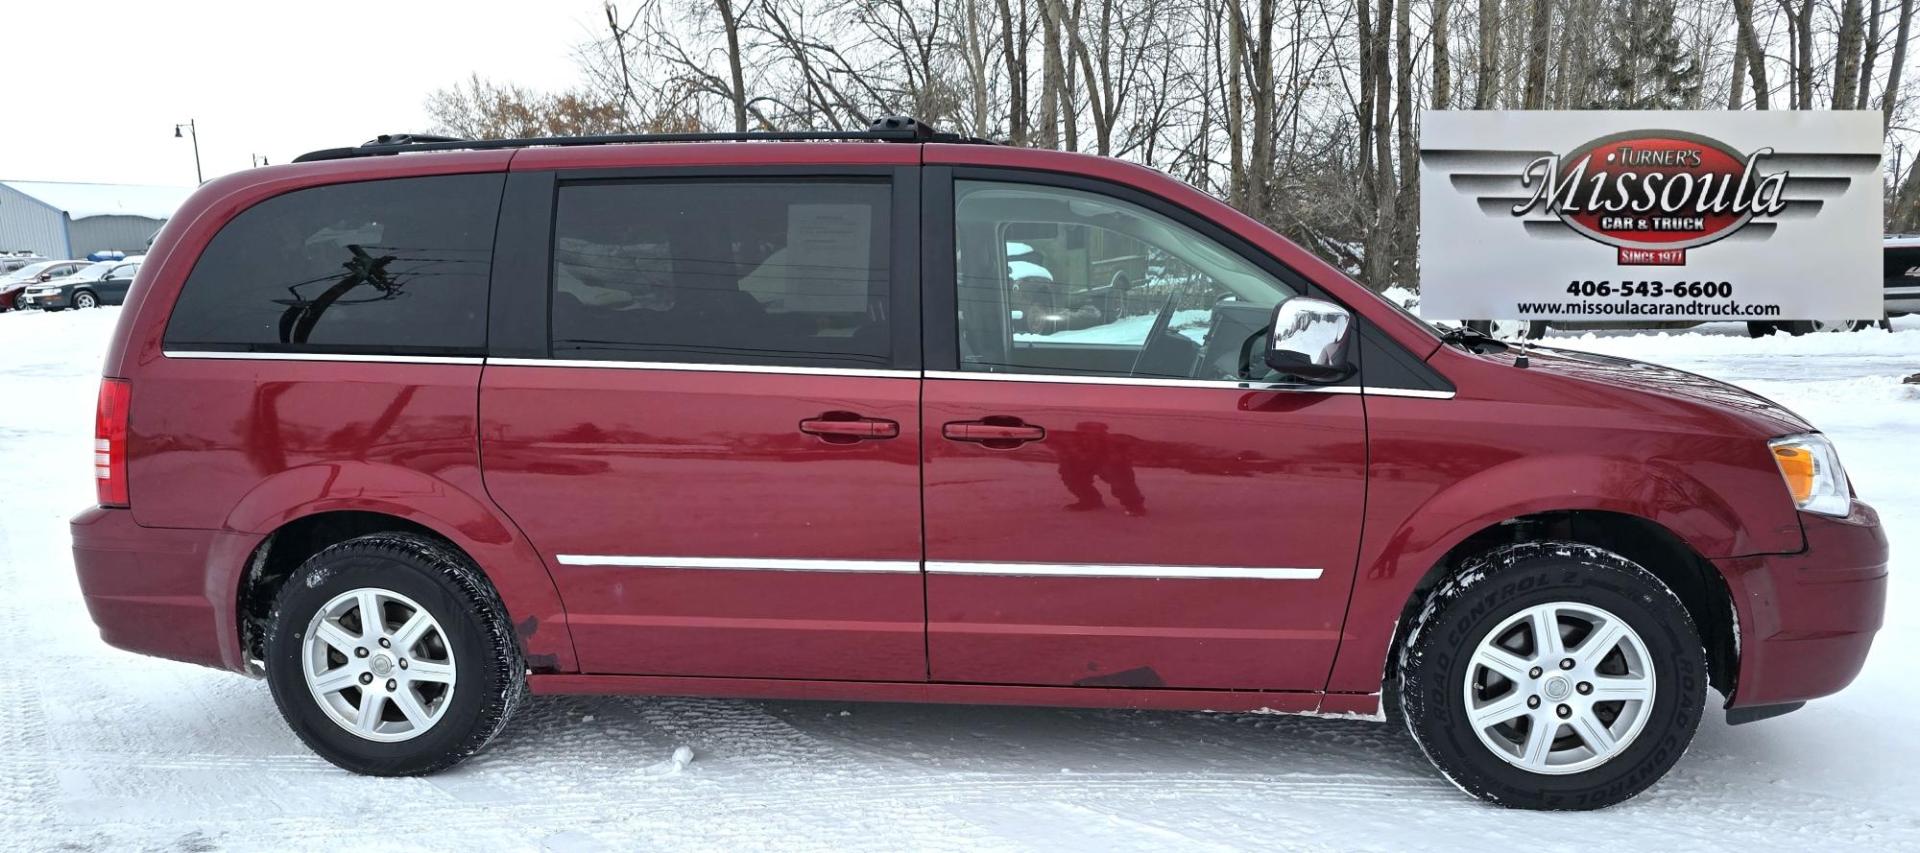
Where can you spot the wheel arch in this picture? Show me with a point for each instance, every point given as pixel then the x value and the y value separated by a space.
pixel 303 510
pixel 1694 579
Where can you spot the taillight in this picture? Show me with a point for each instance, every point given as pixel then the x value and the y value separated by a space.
pixel 110 442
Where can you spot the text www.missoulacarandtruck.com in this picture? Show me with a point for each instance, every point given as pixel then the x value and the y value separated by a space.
pixel 1625 308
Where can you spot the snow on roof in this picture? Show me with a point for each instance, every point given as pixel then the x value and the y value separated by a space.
pixel 83 200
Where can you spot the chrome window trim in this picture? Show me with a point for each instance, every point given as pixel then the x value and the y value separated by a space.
pixel 322 356
pixel 739 563
pixel 1419 393
pixel 1141 381
pixel 877 373
pixel 1190 383
pixel 1154 572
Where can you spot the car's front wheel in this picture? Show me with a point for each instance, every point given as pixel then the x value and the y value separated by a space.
pixel 1553 675
pixel 391 655
pixel 85 299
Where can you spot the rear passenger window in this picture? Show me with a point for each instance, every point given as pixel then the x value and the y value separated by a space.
pixel 379 267
pixel 723 272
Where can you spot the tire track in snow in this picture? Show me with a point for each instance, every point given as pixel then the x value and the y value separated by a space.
pixel 27 784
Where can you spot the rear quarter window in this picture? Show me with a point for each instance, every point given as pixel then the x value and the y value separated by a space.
pixel 395 266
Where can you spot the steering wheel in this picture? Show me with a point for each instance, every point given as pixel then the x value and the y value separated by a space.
pixel 1160 324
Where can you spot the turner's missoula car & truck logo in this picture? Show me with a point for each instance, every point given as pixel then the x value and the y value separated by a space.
pixel 1676 215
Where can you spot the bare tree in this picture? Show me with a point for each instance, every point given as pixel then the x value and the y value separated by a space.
pixel 1014 37
pixel 1536 93
pixel 1846 66
pixel 1487 76
pixel 1891 95
pixel 1750 46
pixel 1442 65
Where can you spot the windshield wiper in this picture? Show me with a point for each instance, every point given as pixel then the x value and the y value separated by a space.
pixel 1472 341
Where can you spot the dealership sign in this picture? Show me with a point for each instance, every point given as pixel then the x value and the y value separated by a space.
pixel 1650 215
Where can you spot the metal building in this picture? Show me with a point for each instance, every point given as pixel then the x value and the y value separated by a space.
pixel 67 220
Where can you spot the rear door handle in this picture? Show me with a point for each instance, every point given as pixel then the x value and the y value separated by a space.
pixel 995 432
pixel 846 428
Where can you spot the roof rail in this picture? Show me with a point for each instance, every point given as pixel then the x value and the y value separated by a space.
pixel 887 129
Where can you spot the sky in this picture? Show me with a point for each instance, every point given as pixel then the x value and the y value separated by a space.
pixel 92 89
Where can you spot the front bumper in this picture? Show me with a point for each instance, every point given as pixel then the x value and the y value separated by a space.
pixel 49 300
pixel 1808 619
pixel 150 589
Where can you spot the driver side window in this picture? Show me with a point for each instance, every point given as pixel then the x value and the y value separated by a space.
pixel 1066 282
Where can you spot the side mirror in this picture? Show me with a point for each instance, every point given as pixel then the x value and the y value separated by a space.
pixel 1309 340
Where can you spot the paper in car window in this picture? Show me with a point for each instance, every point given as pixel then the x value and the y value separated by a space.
pixel 828 257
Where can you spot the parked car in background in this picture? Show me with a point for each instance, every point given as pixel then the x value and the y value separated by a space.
pixel 103 283
pixel 410 436
pixel 12 261
pixel 1900 286
pixel 14 284
pixel 1902 276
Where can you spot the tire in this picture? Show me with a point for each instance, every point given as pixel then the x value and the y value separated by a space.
pixel 1760 328
pixel 466 685
pixel 1797 328
pixel 1578 583
pixel 85 299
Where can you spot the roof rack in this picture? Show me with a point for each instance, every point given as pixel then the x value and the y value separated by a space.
pixel 888 129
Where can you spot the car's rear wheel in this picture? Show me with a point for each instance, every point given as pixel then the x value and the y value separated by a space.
pixel 391 655
pixel 1553 675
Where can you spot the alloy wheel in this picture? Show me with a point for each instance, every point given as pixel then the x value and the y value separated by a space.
pixel 379 664
pixel 1559 688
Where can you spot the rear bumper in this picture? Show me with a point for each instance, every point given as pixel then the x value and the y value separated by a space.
pixel 148 588
pixel 1807 620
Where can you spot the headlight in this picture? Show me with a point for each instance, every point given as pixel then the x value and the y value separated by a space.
pixel 1812 470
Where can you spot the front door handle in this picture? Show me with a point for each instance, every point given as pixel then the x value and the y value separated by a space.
pixel 847 428
pixel 998 432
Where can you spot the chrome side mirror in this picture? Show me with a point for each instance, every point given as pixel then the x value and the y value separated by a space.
pixel 1309 340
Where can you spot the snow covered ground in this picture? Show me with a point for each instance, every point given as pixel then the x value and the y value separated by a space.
pixel 105 750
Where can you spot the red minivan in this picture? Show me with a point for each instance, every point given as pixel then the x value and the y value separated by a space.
pixel 415 428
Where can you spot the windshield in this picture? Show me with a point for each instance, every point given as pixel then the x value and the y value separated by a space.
pixel 93 271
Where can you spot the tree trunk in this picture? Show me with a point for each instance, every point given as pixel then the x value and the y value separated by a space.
pixel 1236 107
pixel 1487 76
pixel 1442 64
pixel 1750 44
pixel 1536 92
pixel 731 25
pixel 1015 52
pixel 1380 252
pixel 1872 58
pixel 1052 80
pixel 1846 63
pixel 1800 37
pixel 1891 96
pixel 1260 171
pixel 1737 92
pixel 1403 104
